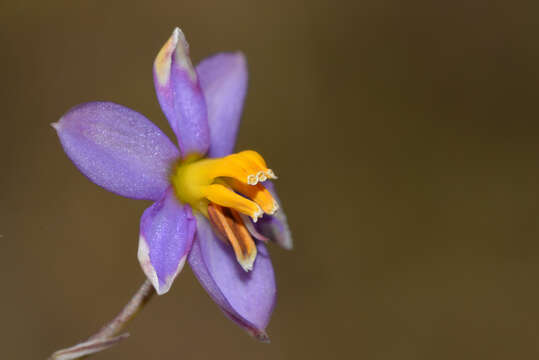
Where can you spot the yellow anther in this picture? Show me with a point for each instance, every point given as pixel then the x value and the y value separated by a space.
pixel 221 195
pixel 258 193
pixel 231 227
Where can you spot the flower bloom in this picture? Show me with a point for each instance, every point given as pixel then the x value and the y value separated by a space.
pixel 211 207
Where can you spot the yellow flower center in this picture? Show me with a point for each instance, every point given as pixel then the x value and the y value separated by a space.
pixel 222 180
pixel 223 187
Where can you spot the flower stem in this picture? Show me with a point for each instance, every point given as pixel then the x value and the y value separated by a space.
pixel 108 335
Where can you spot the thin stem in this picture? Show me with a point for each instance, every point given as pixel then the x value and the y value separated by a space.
pixel 108 335
pixel 130 310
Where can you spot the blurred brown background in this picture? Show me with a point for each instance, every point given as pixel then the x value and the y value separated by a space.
pixel 406 139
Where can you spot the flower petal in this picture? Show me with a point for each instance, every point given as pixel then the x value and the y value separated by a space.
pixel 167 229
pixel 181 98
pixel 275 227
pixel 117 148
pixel 245 297
pixel 223 78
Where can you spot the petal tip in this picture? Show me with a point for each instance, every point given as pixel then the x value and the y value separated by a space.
pixel 160 287
pixel 261 336
pixel 285 241
pixel 239 57
pixel 163 59
pixel 164 288
pixel 143 256
pixel 175 52
pixel 181 55
pixel 178 37
pixel 286 244
pixel 176 33
pixel 56 125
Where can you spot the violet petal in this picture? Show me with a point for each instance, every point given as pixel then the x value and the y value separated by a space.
pixel 223 78
pixel 275 227
pixel 181 98
pixel 118 148
pixel 167 229
pixel 245 297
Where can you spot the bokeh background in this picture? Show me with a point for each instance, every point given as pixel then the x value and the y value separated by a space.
pixel 405 134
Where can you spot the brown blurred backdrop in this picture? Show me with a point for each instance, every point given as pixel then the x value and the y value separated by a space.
pixel 406 139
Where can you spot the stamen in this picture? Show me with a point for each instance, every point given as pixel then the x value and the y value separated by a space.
pixel 258 193
pixel 198 182
pixel 215 215
pixel 254 158
pixel 231 227
pixel 261 176
pixel 271 174
pixel 246 166
pixel 221 195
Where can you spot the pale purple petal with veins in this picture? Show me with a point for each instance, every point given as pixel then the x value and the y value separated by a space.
pixel 275 227
pixel 223 78
pixel 118 148
pixel 181 98
pixel 245 297
pixel 167 229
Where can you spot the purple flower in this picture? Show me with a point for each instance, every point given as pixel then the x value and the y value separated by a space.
pixel 207 200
